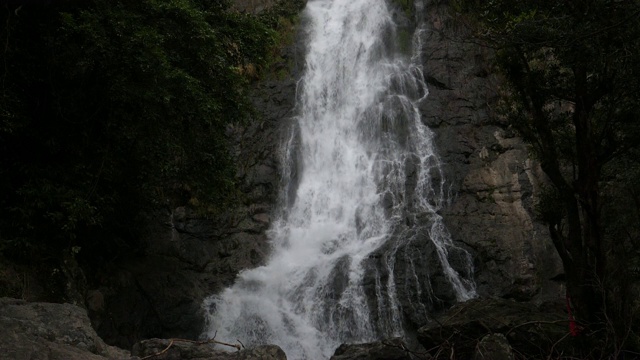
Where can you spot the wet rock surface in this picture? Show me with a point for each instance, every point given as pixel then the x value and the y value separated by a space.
pixel 415 258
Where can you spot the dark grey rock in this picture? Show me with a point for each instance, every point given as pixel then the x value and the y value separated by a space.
pixel 528 329
pixel 493 347
pixel 493 185
pixel 388 349
pixel 415 259
pixel 493 181
pixel 45 331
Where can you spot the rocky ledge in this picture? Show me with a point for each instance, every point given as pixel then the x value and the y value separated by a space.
pixel 477 329
pixel 494 328
pixel 47 331
pixel 480 329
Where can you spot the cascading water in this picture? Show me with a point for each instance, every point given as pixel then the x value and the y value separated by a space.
pixel 368 185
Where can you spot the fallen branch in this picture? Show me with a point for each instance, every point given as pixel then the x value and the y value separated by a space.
pixel 412 354
pixel 213 340
pixel 161 352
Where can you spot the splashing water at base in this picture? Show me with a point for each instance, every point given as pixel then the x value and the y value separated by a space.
pixel 368 178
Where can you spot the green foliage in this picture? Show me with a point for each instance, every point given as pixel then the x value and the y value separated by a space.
pixel 284 17
pixel 110 106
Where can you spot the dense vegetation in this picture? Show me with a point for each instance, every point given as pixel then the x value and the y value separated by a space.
pixel 572 89
pixel 112 107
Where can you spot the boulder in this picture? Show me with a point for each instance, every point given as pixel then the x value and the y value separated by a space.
pixel 45 331
pixel 494 347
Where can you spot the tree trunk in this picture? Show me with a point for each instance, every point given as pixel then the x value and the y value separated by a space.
pixel 584 279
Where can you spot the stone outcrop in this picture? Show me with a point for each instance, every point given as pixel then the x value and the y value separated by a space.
pixel 493 181
pixel 493 347
pixel 167 349
pixel 478 329
pixel 45 331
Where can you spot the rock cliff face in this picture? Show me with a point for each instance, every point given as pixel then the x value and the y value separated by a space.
pixel 493 181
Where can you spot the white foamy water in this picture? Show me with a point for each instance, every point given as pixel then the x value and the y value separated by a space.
pixel 364 168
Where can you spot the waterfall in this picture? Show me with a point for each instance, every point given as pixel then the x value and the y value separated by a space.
pixel 361 194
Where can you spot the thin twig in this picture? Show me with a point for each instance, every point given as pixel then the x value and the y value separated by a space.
pixel 533 323
pixel 161 352
pixel 556 343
